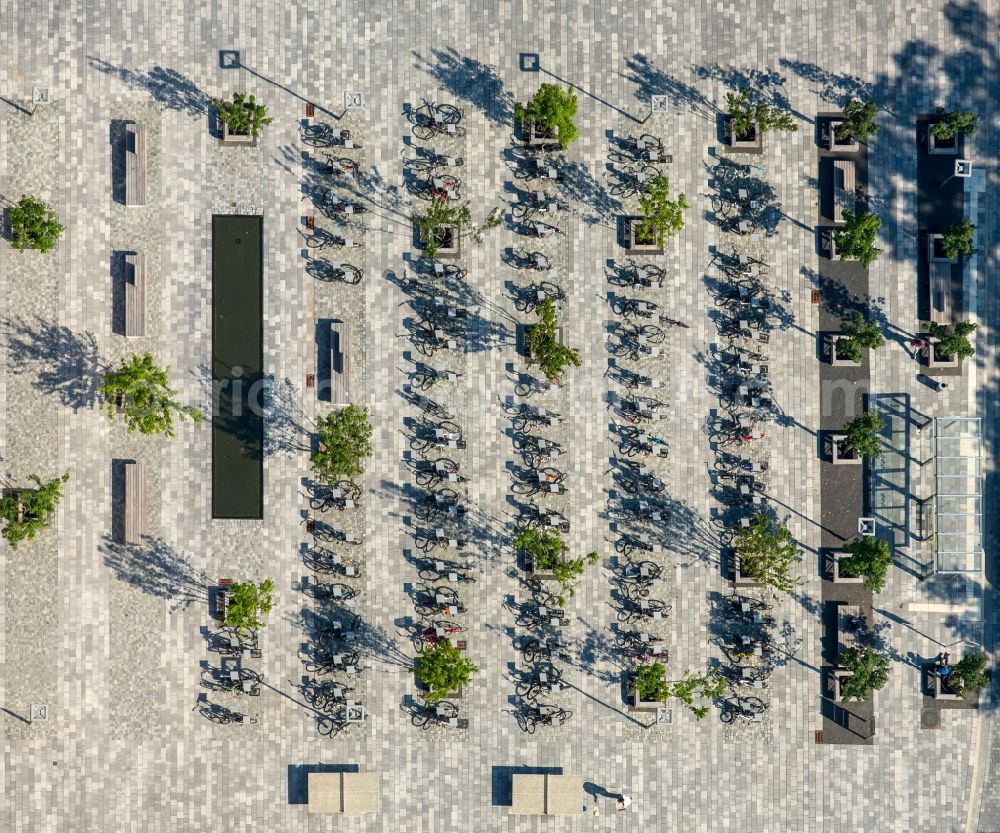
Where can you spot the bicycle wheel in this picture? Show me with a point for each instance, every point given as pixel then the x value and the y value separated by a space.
pixel 421 720
pixel 728 716
pixel 653 334
pixel 753 704
pixel 424 132
pixel 459 133
pixel 448 113
pixel 623 190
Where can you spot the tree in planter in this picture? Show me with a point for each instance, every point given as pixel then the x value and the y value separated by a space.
pixel 747 115
pixel 33 224
pixel 969 673
pixel 551 356
pixel 957 121
pixel 861 434
pixel 548 555
pixel 443 670
pixel 247 603
pixel 954 342
pixel 869 671
pixel 25 514
pixel 859 121
pixel 861 334
pixel 345 438
pixel 856 238
pixel 244 116
pixel 660 214
pixel 767 551
pixel 649 683
pixel 957 240
pixel 551 109
pixel 869 557
pixel 708 686
pixel 445 212
pixel 149 403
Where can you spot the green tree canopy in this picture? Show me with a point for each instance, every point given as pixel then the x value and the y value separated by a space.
pixel 957 239
pixel 969 674
pixel 148 401
pixel 767 552
pixel 856 238
pixel 661 215
pixel 708 686
pixel 861 334
pixel 862 434
pixel 248 603
pixel 859 121
pixel 443 669
pixel 33 224
pixel 747 112
pixel 444 212
pixel 345 441
pixel 547 352
pixel 954 342
pixel 28 513
pixel 957 121
pixel 869 672
pixel 548 552
pixel 243 115
pixel 650 682
pixel 870 558
pixel 551 109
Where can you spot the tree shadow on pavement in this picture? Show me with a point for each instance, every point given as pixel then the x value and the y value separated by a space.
pixel 479 84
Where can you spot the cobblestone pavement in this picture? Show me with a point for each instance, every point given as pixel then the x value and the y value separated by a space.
pixel 114 640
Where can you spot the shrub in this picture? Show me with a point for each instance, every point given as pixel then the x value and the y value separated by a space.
pixel 551 109
pixel 443 670
pixel 856 238
pixel 547 551
pixel 345 441
pixel 649 682
pixel 746 113
pixel 859 121
pixel 969 673
pixel 767 551
pixel 954 342
pixel 861 334
pixel 244 116
pixel 149 403
pixel 957 121
pixel 869 672
pixel 869 557
pixel 28 513
pixel 247 603
pixel 660 214
pixel 957 239
pixel 551 356
pixel 445 212
pixel 34 225
pixel 861 434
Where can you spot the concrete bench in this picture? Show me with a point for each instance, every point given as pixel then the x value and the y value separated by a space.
pixel 549 795
pixel 340 362
pixel 135 294
pixel 939 275
pixel 135 504
pixel 843 188
pixel 135 164
pixel 343 792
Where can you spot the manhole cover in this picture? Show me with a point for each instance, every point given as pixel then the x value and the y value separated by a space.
pixel 930 719
pixel 664 716
pixel 658 103
pixel 354 100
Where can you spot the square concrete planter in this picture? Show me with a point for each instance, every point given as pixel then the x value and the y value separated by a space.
pixel 831 247
pixel 741 579
pixel 938 147
pixel 836 682
pixel 835 559
pixel 644 705
pixel 940 692
pixel 934 359
pixel 536 137
pixel 230 139
pixel 455 695
pixel 835 360
pixel 841 454
pixel 451 247
pixel 529 568
pixel 754 142
pixel 833 143
pixel 935 250
pixel 637 244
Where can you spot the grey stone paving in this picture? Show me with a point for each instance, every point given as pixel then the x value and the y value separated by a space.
pixel 113 640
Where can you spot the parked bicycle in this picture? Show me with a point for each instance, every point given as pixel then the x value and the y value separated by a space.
pixel 344 494
pixel 750 709
pixel 323 270
pixel 543 714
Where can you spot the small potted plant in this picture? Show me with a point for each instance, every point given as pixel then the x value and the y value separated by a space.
pixel 866 560
pixel 949 346
pixel 860 672
pixel 854 338
pixel 855 240
pixel 857 125
pixel 859 440
pixel 33 225
pixel 942 138
pixel 747 121
pixel 649 689
pixel 548 117
pixel 442 671
pixel 242 119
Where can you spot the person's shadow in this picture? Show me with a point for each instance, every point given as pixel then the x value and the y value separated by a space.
pixel 598 791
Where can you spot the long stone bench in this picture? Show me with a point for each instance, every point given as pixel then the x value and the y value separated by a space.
pixel 549 795
pixel 343 792
pixel 843 188
pixel 939 275
pixel 340 362
pixel 135 164
pixel 134 526
pixel 135 294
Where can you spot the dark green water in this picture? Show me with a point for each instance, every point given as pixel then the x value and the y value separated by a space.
pixel 237 367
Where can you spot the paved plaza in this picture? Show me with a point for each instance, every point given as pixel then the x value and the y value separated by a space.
pixel 114 640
